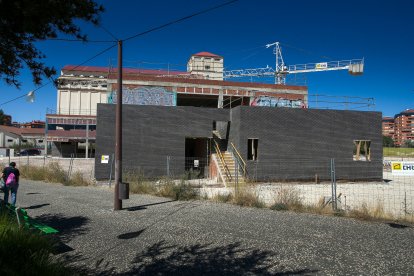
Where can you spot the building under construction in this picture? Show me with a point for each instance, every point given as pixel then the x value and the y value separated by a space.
pixel 176 122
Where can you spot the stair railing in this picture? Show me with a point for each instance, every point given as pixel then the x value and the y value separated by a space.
pixel 240 160
pixel 220 155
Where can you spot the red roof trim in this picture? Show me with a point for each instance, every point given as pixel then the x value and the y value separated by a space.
pixel 207 54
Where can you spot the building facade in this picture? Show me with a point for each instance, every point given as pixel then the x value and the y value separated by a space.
pixel 404 127
pixel 71 126
pixel 400 127
pixel 275 143
pixel 388 126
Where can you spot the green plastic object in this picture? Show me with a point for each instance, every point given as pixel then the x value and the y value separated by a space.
pixel 30 223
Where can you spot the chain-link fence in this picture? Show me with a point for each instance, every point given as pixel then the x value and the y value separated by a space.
pixel 328 182
pixel 84 166
pixel 338 184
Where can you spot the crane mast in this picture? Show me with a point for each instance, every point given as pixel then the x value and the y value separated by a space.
pixel 354 67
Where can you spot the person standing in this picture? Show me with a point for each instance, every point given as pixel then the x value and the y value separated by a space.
pixel 11 182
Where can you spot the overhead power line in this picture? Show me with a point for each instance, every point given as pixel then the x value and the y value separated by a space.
pixel 128 38
pixel 181 19
pixel 51 81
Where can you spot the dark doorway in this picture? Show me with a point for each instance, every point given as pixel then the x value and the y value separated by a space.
pixel 197 152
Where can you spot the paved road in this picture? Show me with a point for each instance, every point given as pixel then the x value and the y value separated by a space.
pixel 158 236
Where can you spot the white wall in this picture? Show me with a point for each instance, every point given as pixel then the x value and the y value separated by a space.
pixel 79 102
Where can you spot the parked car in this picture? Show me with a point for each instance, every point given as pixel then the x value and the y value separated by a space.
pixel 29 152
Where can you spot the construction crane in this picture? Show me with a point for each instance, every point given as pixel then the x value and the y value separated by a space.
pixel 281 70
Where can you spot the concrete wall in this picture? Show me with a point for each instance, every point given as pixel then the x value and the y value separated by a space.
pixel 150 134
pixel 299 143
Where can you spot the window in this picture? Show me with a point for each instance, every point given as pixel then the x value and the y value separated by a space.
pixel 362 150
pixel 40 141
pixel 252 145
pixel 207 67
pixel 9 140
pixel 24 140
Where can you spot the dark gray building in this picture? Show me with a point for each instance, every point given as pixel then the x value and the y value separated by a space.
pixel 276 143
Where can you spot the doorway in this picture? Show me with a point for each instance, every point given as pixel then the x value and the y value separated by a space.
pixel 197 152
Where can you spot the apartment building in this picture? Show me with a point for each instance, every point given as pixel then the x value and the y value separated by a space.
pixel 404 127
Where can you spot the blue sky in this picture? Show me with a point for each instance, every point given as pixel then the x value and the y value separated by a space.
pixel 310 31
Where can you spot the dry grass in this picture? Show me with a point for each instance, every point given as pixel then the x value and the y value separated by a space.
pixel 287 198
pixel 53 173
pixel 164 187
pixel 223 198
pixel 365 212
pixel 248 198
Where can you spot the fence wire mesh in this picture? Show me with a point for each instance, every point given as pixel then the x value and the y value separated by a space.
pixel 386 195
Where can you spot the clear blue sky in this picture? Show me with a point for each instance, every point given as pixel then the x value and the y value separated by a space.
pixel 312 31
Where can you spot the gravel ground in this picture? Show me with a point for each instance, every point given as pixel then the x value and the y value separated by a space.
pixel 158 236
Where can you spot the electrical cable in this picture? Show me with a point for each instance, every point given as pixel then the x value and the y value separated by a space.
pixel 126 39
pixel 51 81
pixel 181 19
pixel 80 40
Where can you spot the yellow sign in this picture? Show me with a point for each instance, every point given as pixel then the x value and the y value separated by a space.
pixel 321 65
pixel 402 168
pixel 396 166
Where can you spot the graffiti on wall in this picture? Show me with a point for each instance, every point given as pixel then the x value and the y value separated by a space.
pixel 277 102
pixel 145 96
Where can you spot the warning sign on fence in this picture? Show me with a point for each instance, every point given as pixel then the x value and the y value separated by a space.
pixel 402 168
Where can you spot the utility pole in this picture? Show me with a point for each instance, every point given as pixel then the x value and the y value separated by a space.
pixel 118 133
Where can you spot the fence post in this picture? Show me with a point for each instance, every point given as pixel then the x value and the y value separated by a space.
pixel 110 169
pixel 333 184
pixel 168 166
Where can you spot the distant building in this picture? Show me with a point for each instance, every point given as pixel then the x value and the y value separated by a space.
pixel 388 126
pixel 404 127
pixel 15 137
pixel 400 128
pixel 33 124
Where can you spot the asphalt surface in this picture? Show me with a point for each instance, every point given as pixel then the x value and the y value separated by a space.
pixel 158 236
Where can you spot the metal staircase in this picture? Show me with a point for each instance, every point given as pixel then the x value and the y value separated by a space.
pixel 228 171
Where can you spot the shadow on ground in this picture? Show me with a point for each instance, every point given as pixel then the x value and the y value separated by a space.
pixel 36 206
pixel 164 259
pixel 143 207
pixel 68 227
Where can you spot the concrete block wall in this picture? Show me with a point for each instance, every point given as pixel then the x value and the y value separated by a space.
pixel 296 144
pixel 150 134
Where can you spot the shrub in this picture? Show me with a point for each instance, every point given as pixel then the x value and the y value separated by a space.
pixel 287 198
pixel 246 197
pixel 223 197
pixel 181 191
pixel 77 179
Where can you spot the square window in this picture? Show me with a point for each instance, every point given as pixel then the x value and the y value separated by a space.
pixel 362 150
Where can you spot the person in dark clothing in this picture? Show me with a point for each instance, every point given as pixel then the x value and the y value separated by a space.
pixel 13 188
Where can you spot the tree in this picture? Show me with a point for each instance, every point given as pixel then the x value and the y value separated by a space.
pixel 23 22
pixel 387 142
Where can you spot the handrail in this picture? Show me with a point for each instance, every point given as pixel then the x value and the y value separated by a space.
pixel 243 165
pixel 227 171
